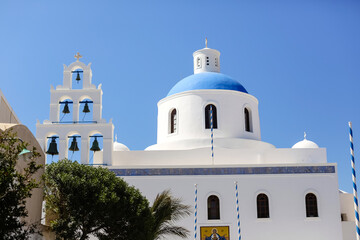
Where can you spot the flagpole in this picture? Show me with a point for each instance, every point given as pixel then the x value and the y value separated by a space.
pixel 212 134
pixel 195 213
pixel 356 206
pixel 237 209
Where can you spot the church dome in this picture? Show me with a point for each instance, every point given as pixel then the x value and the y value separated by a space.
pixel 305 144
pixel 207 80
pixel 120 147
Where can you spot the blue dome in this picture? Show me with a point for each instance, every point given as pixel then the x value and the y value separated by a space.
pixel 207 80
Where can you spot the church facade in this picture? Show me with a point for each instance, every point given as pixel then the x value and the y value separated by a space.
pixel 209 153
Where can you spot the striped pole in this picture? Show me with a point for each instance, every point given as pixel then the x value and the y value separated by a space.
pixel 237 209
pixel 212 134
pixel 356 206
pixel 195 215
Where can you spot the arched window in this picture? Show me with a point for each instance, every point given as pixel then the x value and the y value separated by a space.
pixel 247 120
pixel 262 202
pixel 311 205
pixel 198 62
pixel 173 121
pixel 213 207
pixel 208 116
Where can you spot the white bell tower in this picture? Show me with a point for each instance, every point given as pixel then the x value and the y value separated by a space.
pixel 66 101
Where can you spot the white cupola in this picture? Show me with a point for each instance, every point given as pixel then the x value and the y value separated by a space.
pixel 206 60
pixel 185 118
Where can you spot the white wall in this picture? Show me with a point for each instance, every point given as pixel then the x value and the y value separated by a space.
pixel 190 108
pixel 286 196
pixel 84 130
pixel 76 95
pixel 260 153
pixel 347 208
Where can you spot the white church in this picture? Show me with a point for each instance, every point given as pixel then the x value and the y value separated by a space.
pixel 208 152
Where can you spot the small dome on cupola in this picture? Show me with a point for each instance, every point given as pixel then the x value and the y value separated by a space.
pixel 305 144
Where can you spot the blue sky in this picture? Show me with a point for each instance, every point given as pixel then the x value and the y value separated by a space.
pixel 299 58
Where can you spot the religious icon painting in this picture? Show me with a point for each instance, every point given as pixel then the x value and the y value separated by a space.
pixel 215 233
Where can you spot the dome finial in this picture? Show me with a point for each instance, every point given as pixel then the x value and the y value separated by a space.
pixel 304 135
pixel 206 42
pixel 115 137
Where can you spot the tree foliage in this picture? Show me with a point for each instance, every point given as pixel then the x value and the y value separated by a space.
pixel 16 185
pixel 86 200
pixel 166 210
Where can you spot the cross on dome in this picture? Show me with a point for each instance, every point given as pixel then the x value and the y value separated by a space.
pixel 77 56
pixel 206 43
pixel 304 135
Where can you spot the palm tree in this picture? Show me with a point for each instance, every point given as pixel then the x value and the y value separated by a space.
pixel 166 210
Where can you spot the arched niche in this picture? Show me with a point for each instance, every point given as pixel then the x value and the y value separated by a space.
pixel 73 146
pixel 86 109
pixel 85 78
pixel 77 78
pixel 52 141
pixel 96 139
pixel 65 109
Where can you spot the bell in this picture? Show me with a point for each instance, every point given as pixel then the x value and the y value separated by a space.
pixel 86 108
pixel 52 150
pixel 78 77
pixel 95 145
pixel 66 108
pixel 74 147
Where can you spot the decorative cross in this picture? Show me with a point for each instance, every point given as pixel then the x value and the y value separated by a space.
pixel 304 135
pixel 77 56
pixel 205 42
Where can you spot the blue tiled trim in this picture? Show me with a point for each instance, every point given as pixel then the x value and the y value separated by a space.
pixel 223 171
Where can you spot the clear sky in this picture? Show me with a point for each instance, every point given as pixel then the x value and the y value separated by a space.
pixel 299 58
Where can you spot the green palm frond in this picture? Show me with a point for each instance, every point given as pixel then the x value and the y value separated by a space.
pixel 166 211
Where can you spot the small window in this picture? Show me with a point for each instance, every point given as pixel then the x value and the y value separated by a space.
pixel 247 120
pixel 173 121
pixel 344 217
pixel 207 61
pixel 311 205
pixel 216 62
pixel 210 114
pixel 213 207
pixel 198 62
pixel 262 202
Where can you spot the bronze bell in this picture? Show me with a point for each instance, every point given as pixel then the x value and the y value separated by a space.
pixel 52 150
pixel 66 108
pixel 86 108
pixel 74 146
pixel 95 145
pixel 78 77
